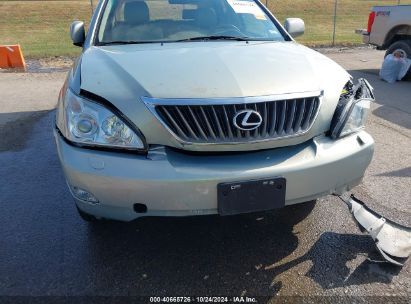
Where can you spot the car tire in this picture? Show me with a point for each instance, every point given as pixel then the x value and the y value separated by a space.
pixel 404 45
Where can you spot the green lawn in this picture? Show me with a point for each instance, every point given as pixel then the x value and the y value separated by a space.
pixel 319 18
pixel 41 27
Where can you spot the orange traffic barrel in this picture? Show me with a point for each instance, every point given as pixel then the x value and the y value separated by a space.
pixel 11 57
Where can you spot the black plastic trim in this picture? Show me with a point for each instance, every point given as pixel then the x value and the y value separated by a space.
pixel 347 116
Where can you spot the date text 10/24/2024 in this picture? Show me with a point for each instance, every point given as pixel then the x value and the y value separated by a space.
pixel 239 299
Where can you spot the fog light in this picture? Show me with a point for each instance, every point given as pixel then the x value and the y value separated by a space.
pixel 83 195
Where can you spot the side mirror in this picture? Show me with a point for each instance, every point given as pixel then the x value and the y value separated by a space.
pixel 294 26
pixel 77 33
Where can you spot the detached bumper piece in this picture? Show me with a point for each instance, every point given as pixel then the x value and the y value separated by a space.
pixel 393 241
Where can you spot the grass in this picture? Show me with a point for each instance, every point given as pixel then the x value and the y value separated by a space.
pixel 41 27
pixel 319 18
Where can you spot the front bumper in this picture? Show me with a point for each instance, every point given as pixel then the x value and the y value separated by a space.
pixel 172 183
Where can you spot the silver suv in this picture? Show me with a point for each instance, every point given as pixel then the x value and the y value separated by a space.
pixel 188 107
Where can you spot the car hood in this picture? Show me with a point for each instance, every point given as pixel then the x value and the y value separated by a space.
pixel 122 74
pixel 206 69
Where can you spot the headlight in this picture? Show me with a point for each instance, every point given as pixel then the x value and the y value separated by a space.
pixel 352 109
pixel 85 122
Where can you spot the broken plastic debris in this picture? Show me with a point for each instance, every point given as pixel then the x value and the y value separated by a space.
pixel 393 240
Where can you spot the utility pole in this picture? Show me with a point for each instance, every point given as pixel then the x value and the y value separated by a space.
pixel 92 7
pixel 335 20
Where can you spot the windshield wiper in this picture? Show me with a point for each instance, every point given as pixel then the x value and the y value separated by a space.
pixel 127 42
pixel 220 37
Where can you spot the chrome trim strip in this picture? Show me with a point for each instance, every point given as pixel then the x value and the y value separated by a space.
pixel 232 100
pixel 151 103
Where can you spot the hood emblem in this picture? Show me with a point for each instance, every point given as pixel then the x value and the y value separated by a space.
pixel 247 120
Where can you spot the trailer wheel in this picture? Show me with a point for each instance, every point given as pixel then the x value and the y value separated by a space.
pixel 404 46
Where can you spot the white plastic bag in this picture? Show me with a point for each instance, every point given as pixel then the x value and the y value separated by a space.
pixel 394 68
pixel 405 67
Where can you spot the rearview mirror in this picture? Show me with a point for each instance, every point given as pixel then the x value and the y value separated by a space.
pixel 77 33
pixel 294 26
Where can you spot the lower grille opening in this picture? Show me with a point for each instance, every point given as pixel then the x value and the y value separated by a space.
pixel 140 208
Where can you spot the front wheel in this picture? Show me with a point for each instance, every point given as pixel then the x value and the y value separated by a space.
pixel 404 46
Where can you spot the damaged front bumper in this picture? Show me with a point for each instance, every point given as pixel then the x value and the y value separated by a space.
pixel 173 183
pixel 393 241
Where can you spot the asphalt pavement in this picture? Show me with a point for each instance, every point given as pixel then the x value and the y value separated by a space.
pixel 314 250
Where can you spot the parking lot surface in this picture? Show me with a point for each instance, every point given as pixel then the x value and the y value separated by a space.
pixel 47 250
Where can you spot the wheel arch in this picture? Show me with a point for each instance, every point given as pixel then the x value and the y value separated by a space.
pixel 399 32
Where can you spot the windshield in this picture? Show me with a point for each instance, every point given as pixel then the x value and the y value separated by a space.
pixel 138 21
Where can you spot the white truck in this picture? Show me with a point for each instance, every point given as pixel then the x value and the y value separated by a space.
pixel 389 28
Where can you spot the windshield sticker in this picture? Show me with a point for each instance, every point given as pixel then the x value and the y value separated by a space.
pixel 247 7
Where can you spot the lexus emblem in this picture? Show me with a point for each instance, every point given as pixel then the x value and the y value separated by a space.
pixel 247 120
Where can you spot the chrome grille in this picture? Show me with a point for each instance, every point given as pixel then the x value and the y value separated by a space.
pixel 213 123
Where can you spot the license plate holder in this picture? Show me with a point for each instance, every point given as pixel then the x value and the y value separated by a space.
pixel 251 196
